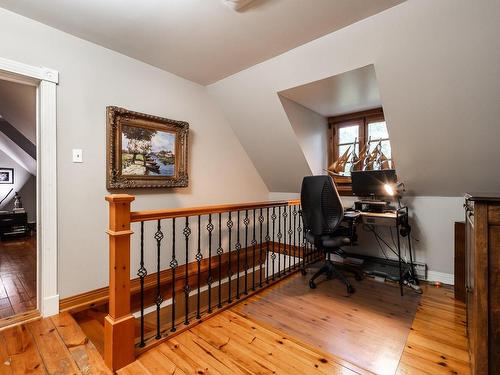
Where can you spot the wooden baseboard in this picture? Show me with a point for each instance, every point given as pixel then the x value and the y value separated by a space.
pixel 100 297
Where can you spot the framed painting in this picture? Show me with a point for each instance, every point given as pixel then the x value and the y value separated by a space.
pixel 6 176
pixel 145 151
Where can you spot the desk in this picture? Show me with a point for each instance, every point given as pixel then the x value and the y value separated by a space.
pixel 398 219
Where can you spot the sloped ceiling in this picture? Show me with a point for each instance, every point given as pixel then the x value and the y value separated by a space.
pixel 18 124
pixel 201 40
pixel 348 92
pixel 438 68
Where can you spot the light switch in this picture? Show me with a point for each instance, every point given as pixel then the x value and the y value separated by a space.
pixel 77 155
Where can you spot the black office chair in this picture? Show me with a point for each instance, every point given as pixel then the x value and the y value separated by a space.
pixel 322 214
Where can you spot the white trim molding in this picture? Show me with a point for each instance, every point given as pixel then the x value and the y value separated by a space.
pixel 27 71
pixel 49 302
pixel 445 278
pixel 46 129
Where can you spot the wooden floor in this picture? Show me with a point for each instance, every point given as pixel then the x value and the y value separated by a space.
pixel 17 276
pixel 232 343
pixel 368 328
pixel 437 343
pixel 54 345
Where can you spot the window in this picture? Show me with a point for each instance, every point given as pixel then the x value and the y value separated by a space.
pixel 348 132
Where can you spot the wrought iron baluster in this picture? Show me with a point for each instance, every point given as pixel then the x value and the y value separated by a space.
pixel 273 254
pixel 142 272
pixel 187 232
pixel 301 239
pixel 219 254
pixel 254 243
pixel 210 228
pixel 229 271
pixel 173 266
pixel 159 299
pixel 279 235
pixel 199 257
pixel 285 252
pixel 290 238
pixel 261 262
pixel 238 250
pixel 267 246
pixel 294 213
pixel 246 221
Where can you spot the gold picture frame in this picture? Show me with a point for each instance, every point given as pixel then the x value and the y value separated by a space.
pixel 145 151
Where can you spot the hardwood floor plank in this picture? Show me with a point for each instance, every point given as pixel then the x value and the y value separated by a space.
pixel 189 343
pixel 275 349
pixel 54 353
pixel 5 368
pixel 236 351
pixel 83 351
pixel 156 363
pixel 22 351
pixel 135 368
pixel 214 358
pixel 18 275
pixel 182 361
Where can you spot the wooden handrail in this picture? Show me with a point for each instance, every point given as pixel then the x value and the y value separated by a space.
pixel 136 216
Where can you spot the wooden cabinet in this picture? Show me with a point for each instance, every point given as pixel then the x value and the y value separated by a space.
pixel 13 224
pixel 482 214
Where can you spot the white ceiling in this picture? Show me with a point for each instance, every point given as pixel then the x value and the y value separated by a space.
pixel 347 92
pixel 202 40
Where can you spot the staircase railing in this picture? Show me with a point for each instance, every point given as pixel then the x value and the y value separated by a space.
pixel 203 260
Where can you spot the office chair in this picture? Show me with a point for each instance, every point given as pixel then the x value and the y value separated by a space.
pixel 322 214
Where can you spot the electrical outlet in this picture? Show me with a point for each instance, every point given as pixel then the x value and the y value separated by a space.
pixel 77 155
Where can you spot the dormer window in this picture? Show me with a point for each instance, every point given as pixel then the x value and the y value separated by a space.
pixel 361 132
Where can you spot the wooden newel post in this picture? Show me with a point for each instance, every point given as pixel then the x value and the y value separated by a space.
pixel 119 338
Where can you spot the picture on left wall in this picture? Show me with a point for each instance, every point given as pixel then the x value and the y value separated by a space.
pixel 6 176
pixel 145 151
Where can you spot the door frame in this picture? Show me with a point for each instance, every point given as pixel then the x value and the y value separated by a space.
pixel 45 80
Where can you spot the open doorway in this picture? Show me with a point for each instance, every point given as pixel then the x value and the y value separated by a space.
pixel 18 198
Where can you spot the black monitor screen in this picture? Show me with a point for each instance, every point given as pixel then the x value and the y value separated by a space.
pixel 371 183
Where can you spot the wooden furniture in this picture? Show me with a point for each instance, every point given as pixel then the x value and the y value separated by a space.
pixel 483 281
pixel 459 261
pixel 13 224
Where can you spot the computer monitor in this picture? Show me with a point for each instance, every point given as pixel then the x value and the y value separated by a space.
pixel 372 183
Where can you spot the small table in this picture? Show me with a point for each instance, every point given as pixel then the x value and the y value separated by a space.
pixel 398 219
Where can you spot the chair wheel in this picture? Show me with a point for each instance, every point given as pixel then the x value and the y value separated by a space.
pixel 350 289
pixel 312 285
pixel 303 271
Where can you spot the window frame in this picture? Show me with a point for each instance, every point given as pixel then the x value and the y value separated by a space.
pixel 362 119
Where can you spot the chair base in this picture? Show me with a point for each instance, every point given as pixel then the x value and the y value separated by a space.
pixel 332 272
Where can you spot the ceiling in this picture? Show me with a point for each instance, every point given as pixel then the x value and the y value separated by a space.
pixel 201 40
pixel 348 92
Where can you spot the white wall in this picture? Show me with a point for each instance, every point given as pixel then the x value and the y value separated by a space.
pixel 438 68
pixel 311 131
pixel 91 78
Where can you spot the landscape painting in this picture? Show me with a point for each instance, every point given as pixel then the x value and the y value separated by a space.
pixel 145 151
